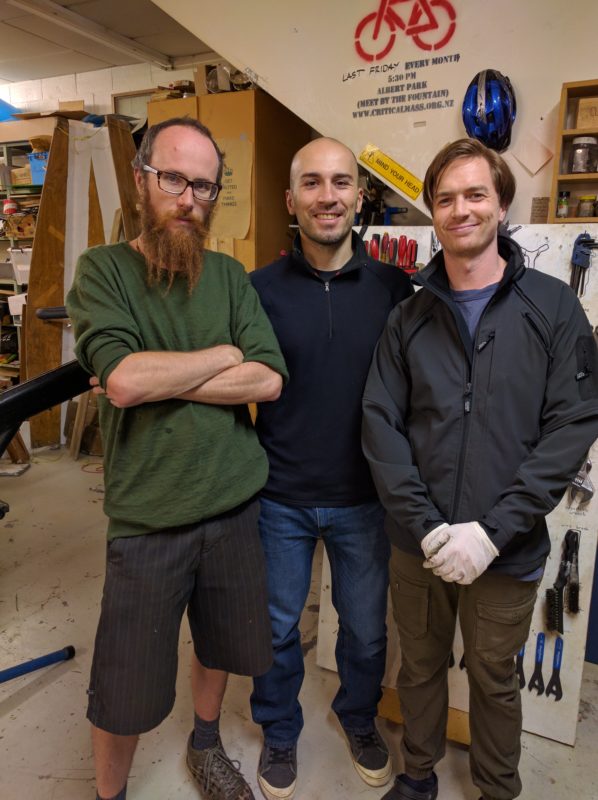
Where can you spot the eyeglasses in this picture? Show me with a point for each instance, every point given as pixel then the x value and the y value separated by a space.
pixel 173 183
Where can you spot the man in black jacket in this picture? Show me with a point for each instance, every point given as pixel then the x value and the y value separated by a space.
pixel 481 402
pixel 328 302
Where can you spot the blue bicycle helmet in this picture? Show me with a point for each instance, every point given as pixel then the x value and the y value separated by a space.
pixel 489 109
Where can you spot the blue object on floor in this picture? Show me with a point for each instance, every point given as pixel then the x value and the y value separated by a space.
pixel 37 663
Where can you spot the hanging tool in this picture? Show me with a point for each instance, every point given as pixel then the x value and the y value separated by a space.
pixel 554 684
pixel 390 210
pixel 393 250
pixel 434 244
pixel 402 250
pixel 519 667
pixel 411 257
pixel 375 246
pixel 407 254
pixel 384 247
pixel 537 681
pixel 572 544
pixel 555 595
pixel 580 262
pixel 581 483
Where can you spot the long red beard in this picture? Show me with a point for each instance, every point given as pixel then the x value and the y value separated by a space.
pixel 172 254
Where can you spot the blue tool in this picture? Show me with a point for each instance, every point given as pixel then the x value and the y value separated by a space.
pixel 537 681
pixel 580 262
pixel 37 663
pixel 554 684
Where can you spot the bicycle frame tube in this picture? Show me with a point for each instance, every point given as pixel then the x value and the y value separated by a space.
pixel 382 12
pixel 413 27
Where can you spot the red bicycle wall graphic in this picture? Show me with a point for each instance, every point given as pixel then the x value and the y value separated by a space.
pixel 431 24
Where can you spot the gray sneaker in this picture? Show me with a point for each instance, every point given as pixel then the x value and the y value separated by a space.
pixel 370 757
pixel 217 776
pixel 277 772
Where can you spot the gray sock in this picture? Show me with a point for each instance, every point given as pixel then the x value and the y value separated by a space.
pixel 205 734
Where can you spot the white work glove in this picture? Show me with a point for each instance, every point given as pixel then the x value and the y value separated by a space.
pixel 433 541
pixel 465 556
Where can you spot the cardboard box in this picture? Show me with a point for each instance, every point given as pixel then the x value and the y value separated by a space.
pixel 199 78
pixel 166 109
pixel 38 164
pixel 71 105
pixel 20 176
pixel 587 113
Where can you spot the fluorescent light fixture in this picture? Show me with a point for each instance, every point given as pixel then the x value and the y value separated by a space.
pixel 59 15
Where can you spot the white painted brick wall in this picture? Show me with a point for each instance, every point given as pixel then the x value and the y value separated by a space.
pixel 94 88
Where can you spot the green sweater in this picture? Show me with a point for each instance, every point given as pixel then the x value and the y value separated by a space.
pixel 171 462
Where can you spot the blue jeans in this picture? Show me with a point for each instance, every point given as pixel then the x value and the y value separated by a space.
pixel 358 551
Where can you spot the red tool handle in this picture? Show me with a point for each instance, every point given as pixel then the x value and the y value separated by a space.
pixel 384 247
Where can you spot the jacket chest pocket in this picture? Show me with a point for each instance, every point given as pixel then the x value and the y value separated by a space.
pixel 539 336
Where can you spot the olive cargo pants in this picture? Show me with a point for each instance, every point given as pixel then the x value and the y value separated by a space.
pixel 495 614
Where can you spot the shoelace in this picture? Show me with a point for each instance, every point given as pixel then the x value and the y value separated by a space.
pixel 369 739
pixel 280 755
pixel 227 773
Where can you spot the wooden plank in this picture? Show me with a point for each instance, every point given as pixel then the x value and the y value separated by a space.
pixel 23 130
pixel 117 226
pixel 95 225
pixel 46 282
pixel 23 345
pixel 123 152
pixel 457 728
pixel 17 450
pixel 79 424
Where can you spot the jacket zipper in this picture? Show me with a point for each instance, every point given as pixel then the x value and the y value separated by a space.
pixel 327 290
pixel 467 406
pixel 536 329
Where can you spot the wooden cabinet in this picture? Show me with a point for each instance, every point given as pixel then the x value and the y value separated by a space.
pixel 276 134
pixel 577 184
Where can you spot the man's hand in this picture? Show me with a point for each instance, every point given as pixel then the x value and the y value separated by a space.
pixel 465 556
pixel 95 385
pixel 433 541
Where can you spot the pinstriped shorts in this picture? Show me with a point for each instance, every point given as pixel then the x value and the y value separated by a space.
pixel 215 569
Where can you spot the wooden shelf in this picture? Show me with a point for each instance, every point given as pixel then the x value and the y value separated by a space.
pixel 578 183
pixel 590 177
pixel 570 133
pixel 579 220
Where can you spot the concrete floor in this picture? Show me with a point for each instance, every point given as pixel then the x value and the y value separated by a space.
pixel 51 572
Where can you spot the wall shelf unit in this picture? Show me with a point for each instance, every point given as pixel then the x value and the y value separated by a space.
pixel 577 184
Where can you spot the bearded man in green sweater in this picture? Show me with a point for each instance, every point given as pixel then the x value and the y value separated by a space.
pixel 178 344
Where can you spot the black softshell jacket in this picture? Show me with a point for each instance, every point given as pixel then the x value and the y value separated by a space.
pixel 327 330
pixel 491 430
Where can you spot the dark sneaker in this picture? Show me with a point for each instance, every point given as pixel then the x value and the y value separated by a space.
pixel 277 772
pixel 402 791
pixel 370 757
pixel 217 776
